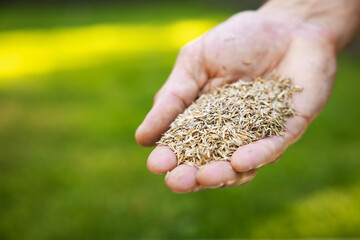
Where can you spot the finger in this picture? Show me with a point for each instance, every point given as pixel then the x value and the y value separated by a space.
pixel 161 160
pixel 257 154
pixel 182 179
pixel 276 159
pixel 159 118
pixel 244 178
pixel 178 92
pixel 220 174
pixel 216 174
pixel 267 150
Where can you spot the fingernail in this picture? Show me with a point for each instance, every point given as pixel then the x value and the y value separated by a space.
pixel 230 182
pixel 167 175
pixel 198 188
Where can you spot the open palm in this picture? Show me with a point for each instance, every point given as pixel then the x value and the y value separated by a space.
pixel 247 45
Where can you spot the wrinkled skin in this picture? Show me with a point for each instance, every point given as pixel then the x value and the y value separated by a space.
pixel 247 45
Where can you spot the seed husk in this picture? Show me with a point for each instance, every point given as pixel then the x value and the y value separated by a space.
pixel 228 117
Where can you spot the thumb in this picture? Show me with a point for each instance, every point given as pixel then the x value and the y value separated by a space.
pixel 178 92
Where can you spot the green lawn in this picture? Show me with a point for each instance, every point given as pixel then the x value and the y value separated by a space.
pixel 70 167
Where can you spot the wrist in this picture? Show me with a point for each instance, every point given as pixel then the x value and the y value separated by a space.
pixel 339 19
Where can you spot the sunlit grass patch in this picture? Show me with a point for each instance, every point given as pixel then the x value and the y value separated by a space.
pixel 328 213
pixel 42 51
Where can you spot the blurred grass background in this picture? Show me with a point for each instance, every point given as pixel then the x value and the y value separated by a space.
pixel 75 82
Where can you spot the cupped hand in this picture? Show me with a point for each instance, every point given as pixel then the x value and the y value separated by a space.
pixel 247 45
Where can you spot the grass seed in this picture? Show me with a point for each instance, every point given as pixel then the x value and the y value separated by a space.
pixel 228 117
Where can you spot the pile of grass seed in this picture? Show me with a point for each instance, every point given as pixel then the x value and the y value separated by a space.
pixel 222 120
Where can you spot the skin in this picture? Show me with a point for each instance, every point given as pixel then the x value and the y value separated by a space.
pixel 247 45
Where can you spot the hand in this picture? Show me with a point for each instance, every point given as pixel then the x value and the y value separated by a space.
pixel 247 45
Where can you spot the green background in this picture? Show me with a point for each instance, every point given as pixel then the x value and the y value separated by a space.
pixel 71 169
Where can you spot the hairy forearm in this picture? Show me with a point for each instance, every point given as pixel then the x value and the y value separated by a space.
pixel 340 18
